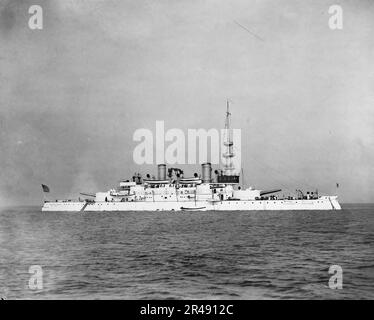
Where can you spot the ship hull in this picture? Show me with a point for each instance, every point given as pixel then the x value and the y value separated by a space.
pixel 324 203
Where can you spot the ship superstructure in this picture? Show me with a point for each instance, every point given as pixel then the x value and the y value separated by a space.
pixel 172 191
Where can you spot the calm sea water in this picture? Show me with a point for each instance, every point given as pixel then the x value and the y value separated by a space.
pixel 197 255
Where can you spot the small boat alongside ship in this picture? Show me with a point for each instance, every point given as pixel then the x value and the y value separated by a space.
pixel 171 191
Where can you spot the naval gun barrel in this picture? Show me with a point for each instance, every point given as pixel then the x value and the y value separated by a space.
pixel 265 192
pixel 87 194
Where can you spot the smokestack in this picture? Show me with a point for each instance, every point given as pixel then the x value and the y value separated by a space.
pixel 161 172
pixel 206 169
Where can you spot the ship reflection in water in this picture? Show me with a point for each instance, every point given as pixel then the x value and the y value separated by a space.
pixel 220 255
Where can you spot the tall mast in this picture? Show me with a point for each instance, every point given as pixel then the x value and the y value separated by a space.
pixel 228 143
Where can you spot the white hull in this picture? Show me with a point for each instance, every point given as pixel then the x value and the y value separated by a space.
pixel 323 203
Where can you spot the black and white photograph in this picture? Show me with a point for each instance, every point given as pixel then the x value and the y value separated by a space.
pixel 207 151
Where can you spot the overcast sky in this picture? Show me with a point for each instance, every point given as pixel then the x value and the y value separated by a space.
pixel 72 94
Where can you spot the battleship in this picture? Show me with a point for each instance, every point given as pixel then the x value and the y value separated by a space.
pixel 172 191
